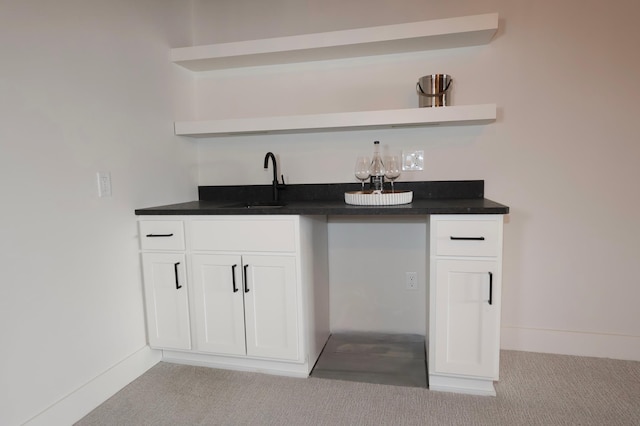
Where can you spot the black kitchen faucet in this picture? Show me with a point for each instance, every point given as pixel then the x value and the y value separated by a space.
pixel 275 185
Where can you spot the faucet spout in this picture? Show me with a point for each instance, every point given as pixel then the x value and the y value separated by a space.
pixel 274 184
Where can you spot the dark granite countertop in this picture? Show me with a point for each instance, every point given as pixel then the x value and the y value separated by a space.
pixel 439 197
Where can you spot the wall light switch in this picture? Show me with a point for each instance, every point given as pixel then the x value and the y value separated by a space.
pixel 412 160
pixel 104 184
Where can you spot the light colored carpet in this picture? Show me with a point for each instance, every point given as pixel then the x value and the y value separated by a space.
pixel 535 389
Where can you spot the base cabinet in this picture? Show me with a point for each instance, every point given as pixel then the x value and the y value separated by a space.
pixel 468 318
pixel 252 293
pixel 246 305
pixel 167 301
pixel 218 304
pixel 240 292
pixel 465 300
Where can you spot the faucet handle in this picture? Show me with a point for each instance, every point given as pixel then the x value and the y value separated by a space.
pixel 282 176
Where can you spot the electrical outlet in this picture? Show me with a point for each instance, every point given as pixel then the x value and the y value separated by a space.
pixel 104 184
pixel 412 160
pixel 411 280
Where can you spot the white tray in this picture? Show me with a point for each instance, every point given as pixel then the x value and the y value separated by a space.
pixel 370 198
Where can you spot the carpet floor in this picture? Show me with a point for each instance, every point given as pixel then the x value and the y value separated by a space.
pixel 534 389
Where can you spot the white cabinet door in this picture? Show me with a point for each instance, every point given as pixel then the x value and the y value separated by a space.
pixel 467 317
pixel 218 304
pixel 166 298
pixel 270 301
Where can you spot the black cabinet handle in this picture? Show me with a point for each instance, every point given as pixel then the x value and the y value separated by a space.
pixel 490 288
pixel 175 270
pixel 233 278
pixel 467 238
pixel 159 235
pixel 246 286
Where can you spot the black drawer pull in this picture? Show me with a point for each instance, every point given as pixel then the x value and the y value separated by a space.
pixel 467 238
pixel 246 285
pixel 159 235
pixel 490 288
pixel 175 270
pixel 233 278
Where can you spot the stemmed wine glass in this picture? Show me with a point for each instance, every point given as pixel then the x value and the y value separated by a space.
pixel 392 168
pixel 362 169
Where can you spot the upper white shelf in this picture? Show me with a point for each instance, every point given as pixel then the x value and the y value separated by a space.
pixel 415 36
pixel 360 120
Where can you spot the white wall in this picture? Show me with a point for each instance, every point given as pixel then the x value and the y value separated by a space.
pixel 85 86
pixel 368 261
pixel 563 153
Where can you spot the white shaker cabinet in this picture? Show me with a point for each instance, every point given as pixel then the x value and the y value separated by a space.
pixel 246 305
pixel 270 306
pixel 164 270
pixel 166 297
pixel 238 292
pixel 218 304
pixel 465 300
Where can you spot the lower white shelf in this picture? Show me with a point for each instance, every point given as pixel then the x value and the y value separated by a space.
pixel 360 120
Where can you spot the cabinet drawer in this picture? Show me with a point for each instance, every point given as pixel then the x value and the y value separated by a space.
pixel 243 235
pixel 467 237
pixel 161 235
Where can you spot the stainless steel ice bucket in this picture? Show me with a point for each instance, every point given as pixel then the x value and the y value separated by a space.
pixel 434 90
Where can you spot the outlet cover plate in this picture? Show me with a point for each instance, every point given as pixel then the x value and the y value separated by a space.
pixel 411 280
pixel 412 160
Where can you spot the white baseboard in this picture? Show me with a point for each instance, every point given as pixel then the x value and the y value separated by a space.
pixel 279 368
pixel 466 385
pixel 80 402
pixel 614 346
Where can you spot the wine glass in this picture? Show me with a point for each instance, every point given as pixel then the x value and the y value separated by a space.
pixel 362 169
pixel 392 168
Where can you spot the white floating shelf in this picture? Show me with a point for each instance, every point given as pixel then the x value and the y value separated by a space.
pixel 362 120
pixel 410 37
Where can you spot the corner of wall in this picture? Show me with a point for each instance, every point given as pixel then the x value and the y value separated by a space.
pixel 87 397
